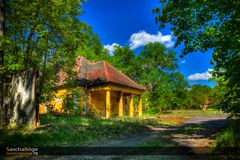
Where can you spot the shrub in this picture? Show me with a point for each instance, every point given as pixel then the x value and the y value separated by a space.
pixel 230 137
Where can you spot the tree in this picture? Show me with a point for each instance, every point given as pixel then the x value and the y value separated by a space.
pixel 123 59
pixel 203 25
pixel 44 35
pixel 200 96
pixel 158 66
pixel 217 96
pixel 92 49
pixel 180 85
pixel 37 28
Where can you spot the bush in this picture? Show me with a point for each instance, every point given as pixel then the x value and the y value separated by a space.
pixel 230 137
pixel 152 111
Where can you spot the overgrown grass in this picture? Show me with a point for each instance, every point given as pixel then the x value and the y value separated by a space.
pixel 194 112
pixel 69 131
pixel 190 129
pixel 230 137
pixel 79 130
pixel 153 112
pixel 163 121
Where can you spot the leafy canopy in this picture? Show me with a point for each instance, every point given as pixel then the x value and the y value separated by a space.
pixel 38 30
pixel 208 24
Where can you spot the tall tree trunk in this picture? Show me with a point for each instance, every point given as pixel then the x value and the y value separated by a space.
pixel 2 30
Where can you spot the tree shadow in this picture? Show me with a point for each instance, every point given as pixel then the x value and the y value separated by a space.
pixel 187 138
pixel 20 95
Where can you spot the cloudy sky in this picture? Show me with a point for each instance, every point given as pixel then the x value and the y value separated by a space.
pixel 132 23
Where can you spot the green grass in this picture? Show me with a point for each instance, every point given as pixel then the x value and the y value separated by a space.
pixel 230 137
pixel 159 141
pixel 190 129
pixel 156 122
pixel 182 113
pixel 69 131
pixel 194 112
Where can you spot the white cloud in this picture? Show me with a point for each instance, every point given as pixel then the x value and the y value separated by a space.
pixel 142 38
pixel 201 76
pixel 183 61
pixel 110 47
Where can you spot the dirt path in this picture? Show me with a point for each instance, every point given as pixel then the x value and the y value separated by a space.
pixel 211 124
pixel 194 134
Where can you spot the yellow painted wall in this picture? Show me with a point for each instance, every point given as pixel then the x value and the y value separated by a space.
pixel 96 100
pixel 57 102
pixel 42 109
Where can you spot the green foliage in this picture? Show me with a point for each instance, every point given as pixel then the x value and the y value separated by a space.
pixel 123 59
pixel 200 95
pixel 72 102
pixel 159 73
pixel 202 25
pixel 230 137
pixel 46 36
pixel 218 95
pixel 49 27
pixel 92 49
pixel 156 68
pixel 152 111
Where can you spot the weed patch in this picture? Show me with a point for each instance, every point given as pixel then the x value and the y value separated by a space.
pixel 69 131
pixel 230 137
pixel 190 129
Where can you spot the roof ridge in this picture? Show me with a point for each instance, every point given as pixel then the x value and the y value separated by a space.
pixel 105 68
pixel 124 74
pixel 96 62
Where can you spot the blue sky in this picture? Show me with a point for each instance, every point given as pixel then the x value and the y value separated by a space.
pixel 132 23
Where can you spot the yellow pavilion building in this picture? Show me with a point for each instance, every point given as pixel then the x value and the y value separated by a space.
pixel 107 91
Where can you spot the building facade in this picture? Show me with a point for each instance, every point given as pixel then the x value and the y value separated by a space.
pixel 106 91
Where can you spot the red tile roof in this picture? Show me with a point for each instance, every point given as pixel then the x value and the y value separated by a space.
pixel 101 72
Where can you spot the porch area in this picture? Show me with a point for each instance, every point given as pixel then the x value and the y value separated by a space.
pixel 115 101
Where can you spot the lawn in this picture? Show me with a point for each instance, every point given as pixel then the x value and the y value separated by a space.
pixel 69 131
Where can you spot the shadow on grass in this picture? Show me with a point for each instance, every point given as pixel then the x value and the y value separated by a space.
pixel 69 131
pixel 208 129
